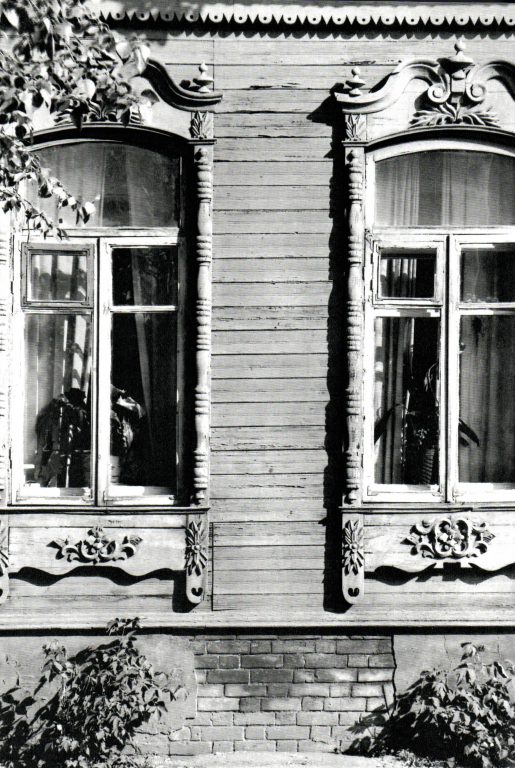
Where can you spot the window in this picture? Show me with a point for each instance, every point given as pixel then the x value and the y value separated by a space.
pixel 100 318
pixel 440 326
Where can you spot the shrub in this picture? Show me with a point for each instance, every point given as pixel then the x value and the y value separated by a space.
pixel 464 713
pixel 85 709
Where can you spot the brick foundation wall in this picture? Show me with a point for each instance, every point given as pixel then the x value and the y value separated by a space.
pixel 283 692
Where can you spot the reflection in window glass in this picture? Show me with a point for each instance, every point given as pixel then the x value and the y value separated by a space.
pixel 487 275
pixel 406 400
pixel 407 275
pixel 57 418
pixel 57 275
pixel 487 400
pixel 145 276
pixel 445 188
pixel 129 186
pixel 143 399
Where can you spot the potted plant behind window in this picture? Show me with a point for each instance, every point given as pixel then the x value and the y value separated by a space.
pixel 420 428
pixel 126 414
pixel 63 431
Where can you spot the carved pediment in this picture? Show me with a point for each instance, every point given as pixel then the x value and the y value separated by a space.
pixel 458 92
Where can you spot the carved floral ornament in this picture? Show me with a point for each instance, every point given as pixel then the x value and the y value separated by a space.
pixel 96 548
pixel 4 549
pixel 457 92
pixel 451 538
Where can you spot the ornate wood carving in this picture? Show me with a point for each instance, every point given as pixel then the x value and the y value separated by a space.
pixel 452 538
pixel 197 97
pixel 96 548
pixel 203 158
pixel 355 166
pixel 353 558
pixel 315 13
pixel 455 95
pixel 4 562
pixel 196 558
pixel 355 128
pixel 201 126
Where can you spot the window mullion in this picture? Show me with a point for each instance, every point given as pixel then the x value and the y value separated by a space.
pixel 103 372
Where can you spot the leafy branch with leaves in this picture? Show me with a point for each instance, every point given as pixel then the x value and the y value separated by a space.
pixel 58 58
pixel 465 714
pixel 85 710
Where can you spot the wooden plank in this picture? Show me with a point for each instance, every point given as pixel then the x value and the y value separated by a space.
pixel 272 150
pixel 270 100
pixel 263 487
pixel 267 510
pixel 169 518
pixel 269 342
pixel 270 245
pixel 467 584
pixel 337 48
pixel 245 198
pixel 268 366
pixel 283 174
pixel 261 222
pixel 268 462
pixel 256 558
pixel 269 415
pixel 269 318
pixel 312 75
pixel 270 534
pixel 281 124
pixel 270 294
pixel 243 582
pixel 269 390
pixel 264 438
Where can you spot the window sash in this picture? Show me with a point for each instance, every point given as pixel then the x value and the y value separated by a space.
pixel 449 248
pixel 99 306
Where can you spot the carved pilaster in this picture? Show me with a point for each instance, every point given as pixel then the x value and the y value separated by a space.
pixel 203 158
pixel 355 166
pixel 353 558
pixel 196 557
pixel 4 561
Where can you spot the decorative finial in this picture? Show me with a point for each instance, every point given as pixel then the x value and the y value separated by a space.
pixel 203 81
pixel 355 83
pixel 460 59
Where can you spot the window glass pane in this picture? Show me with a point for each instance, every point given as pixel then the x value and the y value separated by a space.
pixel 445 188
pixel 407 274
pixel 143 399
pixel 57 275
pixel 488 275
pixel 145 276
pixel 406 400
pixel 57 434
pixel 129 186
pixel 487 399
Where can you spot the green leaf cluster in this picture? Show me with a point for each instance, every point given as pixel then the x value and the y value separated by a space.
pixel 58 58
pixel 86 709
pixel 465 714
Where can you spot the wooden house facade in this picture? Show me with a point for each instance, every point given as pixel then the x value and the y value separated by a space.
pixel 263 399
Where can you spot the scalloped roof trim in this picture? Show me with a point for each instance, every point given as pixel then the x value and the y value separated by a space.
pixel 311 12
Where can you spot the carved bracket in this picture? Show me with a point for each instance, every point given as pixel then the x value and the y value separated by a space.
pixel 353 558
pixel 96 548
pixel 4 562
pixel 456 90
pixel 449 538
pixel 196 558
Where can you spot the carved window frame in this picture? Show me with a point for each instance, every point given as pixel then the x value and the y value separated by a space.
pixel 446 241
pixel 194 242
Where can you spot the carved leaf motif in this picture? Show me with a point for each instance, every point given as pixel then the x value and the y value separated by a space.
pixel 355 127
pixel 201 125
pixel 196 547
pixel 96 548
pixel 353 556
pixel 450 114
pixel 4 549
pixel 449 537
